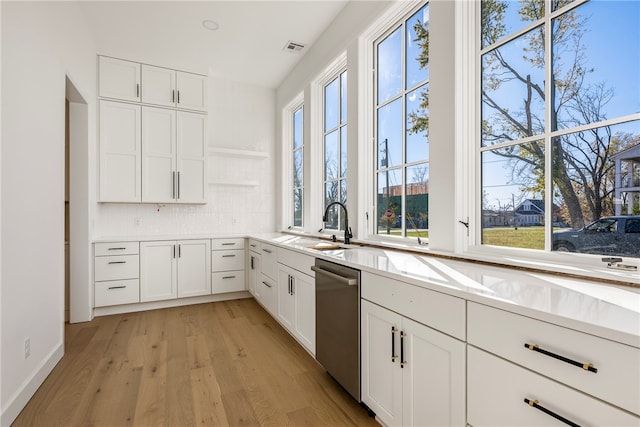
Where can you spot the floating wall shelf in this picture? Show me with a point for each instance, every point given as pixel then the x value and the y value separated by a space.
pixel 232 152
pixel 235 183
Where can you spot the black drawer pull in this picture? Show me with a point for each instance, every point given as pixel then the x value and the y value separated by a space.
pixel 228 244
pixel 394 356
pixel 116 249
pixel 266 284
pixel 267 251
pixel 534 404
pixel 117 262
pixel 402 337
pixel 117 287
pixel 586 366
pixel 229 277
pixel 228 256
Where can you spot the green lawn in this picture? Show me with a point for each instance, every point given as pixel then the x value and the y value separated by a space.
pixel 523 237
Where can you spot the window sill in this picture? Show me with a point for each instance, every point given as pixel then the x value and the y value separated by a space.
pixel 522 260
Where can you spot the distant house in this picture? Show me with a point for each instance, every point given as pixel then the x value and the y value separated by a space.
pixel 627 190
pixel 530 212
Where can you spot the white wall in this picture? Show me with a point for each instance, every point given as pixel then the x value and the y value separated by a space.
pixel 41 43
pixel 240 117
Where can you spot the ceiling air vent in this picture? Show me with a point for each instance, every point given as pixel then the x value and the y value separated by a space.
pixel 293 47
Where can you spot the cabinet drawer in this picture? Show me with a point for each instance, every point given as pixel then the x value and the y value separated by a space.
pixel 255 245
pixel 117 248
pixel 117 267
pixel 268 294
pixel 226 244
pixel 434 309
pixel 269 255
pixel 496 390
pixel 297 261
pixel 227 260
pixel 117 292
pixel 618 365
pixel 227 281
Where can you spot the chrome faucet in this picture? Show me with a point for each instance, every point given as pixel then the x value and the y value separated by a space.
pixel 347 230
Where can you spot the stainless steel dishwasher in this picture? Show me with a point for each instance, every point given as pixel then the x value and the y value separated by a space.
pixel 338 323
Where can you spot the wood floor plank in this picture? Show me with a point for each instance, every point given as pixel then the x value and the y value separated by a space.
pixel 216 364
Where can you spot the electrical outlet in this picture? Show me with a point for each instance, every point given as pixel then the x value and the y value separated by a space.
pixel 27 347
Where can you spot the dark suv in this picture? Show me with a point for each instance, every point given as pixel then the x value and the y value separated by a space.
pixel 612 235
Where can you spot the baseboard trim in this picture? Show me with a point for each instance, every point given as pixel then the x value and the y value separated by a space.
pixel 144 306
pixel 19 400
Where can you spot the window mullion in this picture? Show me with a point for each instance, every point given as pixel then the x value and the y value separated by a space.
pixel 548 155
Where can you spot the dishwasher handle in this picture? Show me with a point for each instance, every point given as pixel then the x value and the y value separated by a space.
pixel 337 277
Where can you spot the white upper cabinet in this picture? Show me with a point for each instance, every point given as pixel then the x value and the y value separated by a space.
pixel 191 91
pixel 170 88
pixel 151 154
pixel 191 157
pixel 120 152
pixel 159 155
pixel 158 86
pixel 119 79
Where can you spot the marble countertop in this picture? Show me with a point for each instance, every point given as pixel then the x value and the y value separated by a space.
pixel 608 311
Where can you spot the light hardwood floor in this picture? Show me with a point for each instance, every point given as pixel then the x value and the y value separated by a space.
pixel 218 364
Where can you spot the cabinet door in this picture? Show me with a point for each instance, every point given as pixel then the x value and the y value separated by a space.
pixel 192 91
pixel 286 303
pixel 158 155
pixel 194 268
pixel 254 274
pixel 158 86
pixel 304 293
pixel 381 373
pixel 158 271
pixel 433 377
pixel 120 152
pixel 118 79
pixel 192 157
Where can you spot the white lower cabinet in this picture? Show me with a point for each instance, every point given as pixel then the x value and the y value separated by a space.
pixel 228 265
pixel 267 291
pixel 297 305
pixel 412 375
pixel 116 273
pixel 255 273
pixel 174 269
pixel 497 390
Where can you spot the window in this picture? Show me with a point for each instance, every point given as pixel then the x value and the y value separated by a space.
pixel 335 148
pixel 560 125
pixel 298 177
pixel 401 128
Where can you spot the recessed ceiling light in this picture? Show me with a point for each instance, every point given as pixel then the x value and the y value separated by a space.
pixel 210 25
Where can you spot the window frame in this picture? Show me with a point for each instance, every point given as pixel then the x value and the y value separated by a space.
pixel 468 243
pixel 316 190
pixel 288 113
pixel 368 106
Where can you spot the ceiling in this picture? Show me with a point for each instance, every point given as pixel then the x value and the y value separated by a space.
pixel 247 47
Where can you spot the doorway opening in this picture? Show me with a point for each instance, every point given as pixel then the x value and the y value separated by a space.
pixel 78 295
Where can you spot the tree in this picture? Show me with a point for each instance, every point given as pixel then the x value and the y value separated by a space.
pixel 581 164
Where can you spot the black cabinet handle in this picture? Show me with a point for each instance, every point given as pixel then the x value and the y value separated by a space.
pixel 402 361
pixel 266 284
pixel 229 277
pixel 178 96
pixel 230 244
pixel 394 356
pixel 228 256
pixel 173 95
pixel 534 404
pixel 137 90
pixel 116 249
pixel 586 366
pixel 253 267
pixel 293 285
pixel 117 262
pixel 267 251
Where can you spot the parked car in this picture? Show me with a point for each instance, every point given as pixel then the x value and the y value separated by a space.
pixel 612 235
